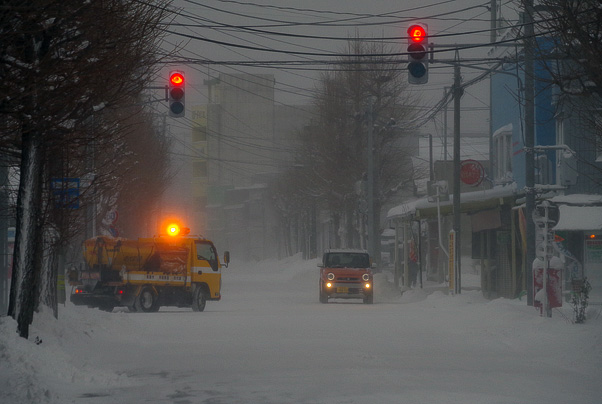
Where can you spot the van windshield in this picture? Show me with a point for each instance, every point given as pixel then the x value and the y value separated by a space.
pixel 347 260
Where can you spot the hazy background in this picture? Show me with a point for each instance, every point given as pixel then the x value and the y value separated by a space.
pixel 212 37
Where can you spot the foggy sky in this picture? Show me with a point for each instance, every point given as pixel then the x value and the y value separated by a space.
pixel 221 21
pixel 391 19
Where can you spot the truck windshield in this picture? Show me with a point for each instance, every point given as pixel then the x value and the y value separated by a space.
pixel 347 260
pixel 206 251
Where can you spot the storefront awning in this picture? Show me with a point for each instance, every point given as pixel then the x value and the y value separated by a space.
pixel 579 218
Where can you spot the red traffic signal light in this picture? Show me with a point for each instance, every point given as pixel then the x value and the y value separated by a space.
pixel 176 79
pixel 176 93
pixel 417 54
pixel 417 33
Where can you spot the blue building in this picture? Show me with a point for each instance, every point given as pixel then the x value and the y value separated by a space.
pixel 568 168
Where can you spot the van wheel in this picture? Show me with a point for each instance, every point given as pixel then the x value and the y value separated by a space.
pixel 147 301
pixel 199 299
pixel 323 295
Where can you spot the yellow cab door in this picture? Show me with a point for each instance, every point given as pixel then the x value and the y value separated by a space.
pixel 206 267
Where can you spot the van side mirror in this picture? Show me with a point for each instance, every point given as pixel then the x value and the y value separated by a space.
pixel 226 258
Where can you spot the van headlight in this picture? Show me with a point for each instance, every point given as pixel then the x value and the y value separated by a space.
pixel 366 277
pixel 330 276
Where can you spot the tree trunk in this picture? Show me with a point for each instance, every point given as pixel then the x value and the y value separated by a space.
pixel 350 230
pixel 26 257
pixel 377 229
pixel 336 226
pixel 49 275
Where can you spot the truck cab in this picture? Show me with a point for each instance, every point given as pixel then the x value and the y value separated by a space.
pixel 346 274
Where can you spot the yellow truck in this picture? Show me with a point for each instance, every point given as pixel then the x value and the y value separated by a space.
pixel 148 273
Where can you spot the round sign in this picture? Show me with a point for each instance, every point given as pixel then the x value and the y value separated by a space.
pixel 472 172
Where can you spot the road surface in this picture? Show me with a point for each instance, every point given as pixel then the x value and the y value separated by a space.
pixel 270 341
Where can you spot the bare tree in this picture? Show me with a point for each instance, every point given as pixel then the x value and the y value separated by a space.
pixel 332 155
pixel 573 32
pixel 129 175
pixel 133 183
pixel 571 50
pixel 61 63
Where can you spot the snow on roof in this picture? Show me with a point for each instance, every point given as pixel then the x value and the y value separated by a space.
pixel 499 191
pixel 503 129
pixel 403 209
pixel 346 250
pixel 577 218
pixel 578 199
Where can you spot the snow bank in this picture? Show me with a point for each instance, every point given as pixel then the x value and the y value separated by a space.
pixel 31 369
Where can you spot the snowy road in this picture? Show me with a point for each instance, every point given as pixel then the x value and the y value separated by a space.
pixel 270 341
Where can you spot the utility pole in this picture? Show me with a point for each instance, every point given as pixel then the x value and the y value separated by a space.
pixel 4 286
pixel 370 185
pixel 431 170
pixel 529 146
pixel 492 39
pixel 458 91
pixel 445 89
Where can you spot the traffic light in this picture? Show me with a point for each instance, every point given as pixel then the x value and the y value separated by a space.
pixel 176 94
pixel 418 61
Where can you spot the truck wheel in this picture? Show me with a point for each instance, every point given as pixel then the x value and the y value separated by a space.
pixel 323 296
pixel 147 301
pixel 199 299
pixel 369 299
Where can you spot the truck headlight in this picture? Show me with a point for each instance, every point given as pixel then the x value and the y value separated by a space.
pixel 366 277
pixel 367 286
pixel 330 276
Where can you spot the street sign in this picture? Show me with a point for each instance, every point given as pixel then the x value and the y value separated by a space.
pixel 65 192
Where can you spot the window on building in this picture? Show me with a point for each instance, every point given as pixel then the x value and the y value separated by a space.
pixel 199 169
pixel 502 142
pixel 559 130
pixel 199 133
